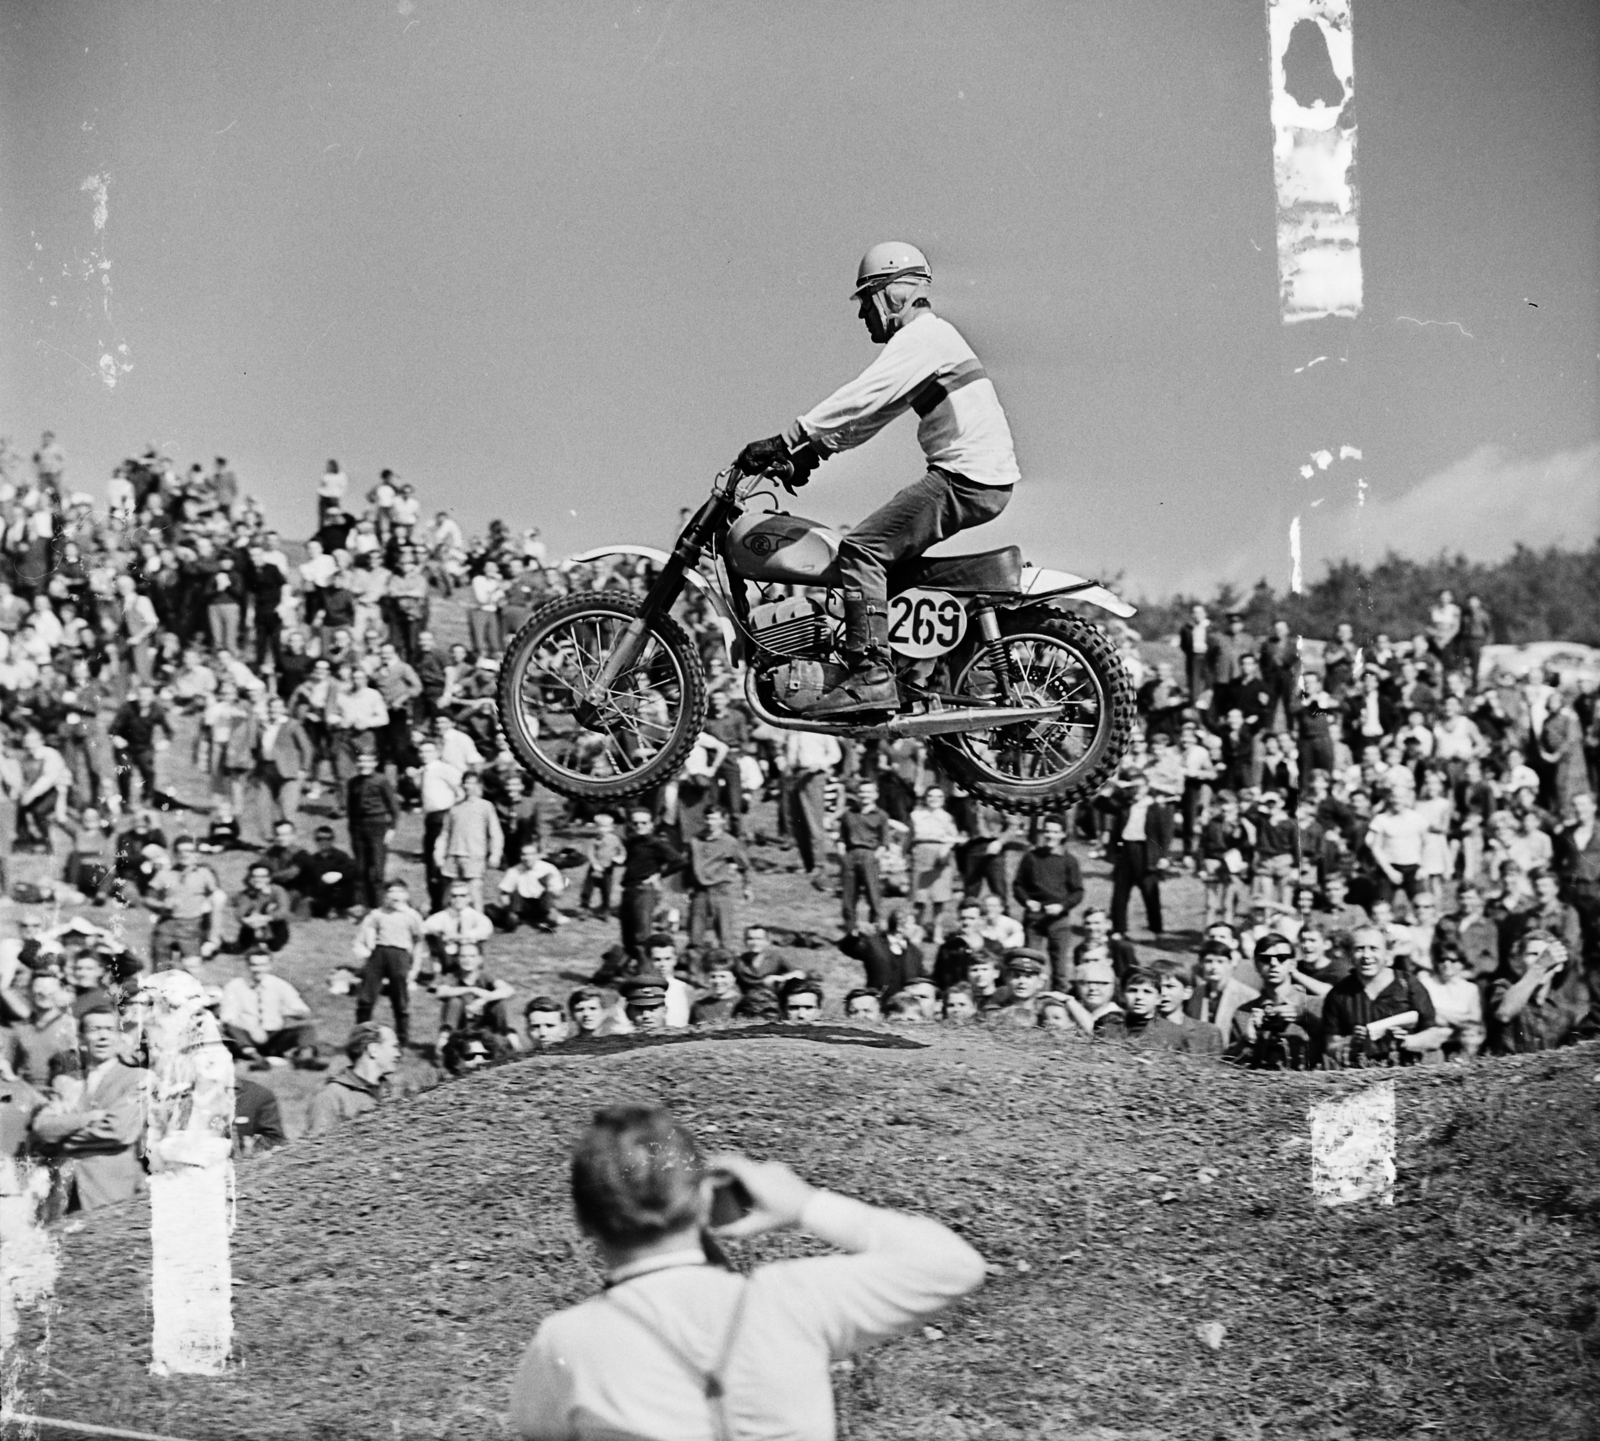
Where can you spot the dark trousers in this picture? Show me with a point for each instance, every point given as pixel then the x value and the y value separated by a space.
pixel 535 911
pixel 635 913
pixel 715 908
pixel 978 867
pixel 859 873
pixel 370 852
pixel 388 967
pixel 922 514
pixel 493 1018
pixel 1131 871
pixel 1387 889
pixel 141 763
pixel 35 820
pixel 807 793
pixel 302 1036
pixel 1194 794
pixel 432 828
pixel 268 629
pixel 1054 934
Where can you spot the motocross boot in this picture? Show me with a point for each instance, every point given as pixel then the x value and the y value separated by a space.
pixel 870 684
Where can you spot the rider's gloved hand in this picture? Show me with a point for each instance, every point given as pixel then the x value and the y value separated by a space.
pixel 761 455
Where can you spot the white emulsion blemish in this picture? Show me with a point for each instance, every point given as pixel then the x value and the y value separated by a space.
pixel 1352 1147
pixel 1314 158
pixel 28 1257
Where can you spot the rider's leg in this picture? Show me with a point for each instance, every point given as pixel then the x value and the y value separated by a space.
pixel 922 514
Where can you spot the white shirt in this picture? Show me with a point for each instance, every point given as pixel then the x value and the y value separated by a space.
pixel 440 784
pixel 594 1371
pixel 463 925
pixel 811 751
pixel 268 1007
pixel 531 882
pixel 926 366
pixel 456 749
pixel 319 570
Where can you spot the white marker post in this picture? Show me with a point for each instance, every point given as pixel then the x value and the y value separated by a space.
pixel 1352 1147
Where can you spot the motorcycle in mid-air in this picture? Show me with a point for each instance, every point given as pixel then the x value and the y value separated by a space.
pixel 603 695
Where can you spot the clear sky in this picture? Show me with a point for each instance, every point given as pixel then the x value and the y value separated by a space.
pixel 556 262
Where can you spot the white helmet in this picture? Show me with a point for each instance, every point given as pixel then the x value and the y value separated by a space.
pixel 891 278
pixel 892 260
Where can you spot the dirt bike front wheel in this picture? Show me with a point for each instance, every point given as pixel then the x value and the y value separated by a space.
pixel 1052 659
pixel 633 736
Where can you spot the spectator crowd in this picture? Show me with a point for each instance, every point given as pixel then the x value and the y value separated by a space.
pixel 1398 854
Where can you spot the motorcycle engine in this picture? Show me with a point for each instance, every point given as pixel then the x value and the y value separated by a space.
pixel 798 627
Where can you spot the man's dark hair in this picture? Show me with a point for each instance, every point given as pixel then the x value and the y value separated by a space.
pixel 361 1037
pixel 858 993
pixel 542 1003
pixel 1142 976
pixel 578 997
pixel 659 940
pixel 802 986
pixel 636 1176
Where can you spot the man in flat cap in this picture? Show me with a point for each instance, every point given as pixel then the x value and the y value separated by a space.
pixel 1024 973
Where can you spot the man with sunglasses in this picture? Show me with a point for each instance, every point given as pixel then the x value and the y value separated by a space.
pixel 927 367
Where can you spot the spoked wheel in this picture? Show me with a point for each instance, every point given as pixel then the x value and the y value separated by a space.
pixel 1053 659
pixel 632 737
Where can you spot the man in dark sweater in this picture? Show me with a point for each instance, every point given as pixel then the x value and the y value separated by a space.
pixel 134 730
pixel 373 811
pixel 863 828
pixel 1050 885
pixel 327 877
pixel 647 858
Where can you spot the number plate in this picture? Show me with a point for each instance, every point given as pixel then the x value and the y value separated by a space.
pixel 925 623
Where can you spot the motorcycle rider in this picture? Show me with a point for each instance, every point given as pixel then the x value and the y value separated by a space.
pixel 927 367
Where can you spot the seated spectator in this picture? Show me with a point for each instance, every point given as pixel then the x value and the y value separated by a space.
pixel 958 1006
pixel 587 1010
pixel 91 863
pixel 904 1009
pixel 998 928
pixel 544 1023
pixel 961 946
pixel 96 1120
pixel 257 1119
pixel 1176 984
pixel 471 839
pixel 456 925
pixel 527 894
pixel 141 852
pixel 862 1005
pixel 327 878
pixel 927 996
pixel 1142 1019
pixel 1477 934
pixel 471 1000
pixel 373 1052
pixel 285 856
pixel 465 1052
pixel 801 1000
pixel 1024 973
pixel 1368 1015
pixel 1457 1001
pixel 265 1020
pixel 1539 1001
pixel 1098 936
pixel 45 1044
pixel 263 912
pixel 757 966
pixel 187 900
pixel 888 954
pixel 86 975
pixel 722 991
pixel 1093 1002
pixel 1219 994
pixel 644 1000
pixel 1054 1014
pixel 1277 1030
pixel 759 1004
pixel 223 833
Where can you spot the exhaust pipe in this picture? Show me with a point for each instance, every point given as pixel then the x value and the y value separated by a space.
pixel 929 723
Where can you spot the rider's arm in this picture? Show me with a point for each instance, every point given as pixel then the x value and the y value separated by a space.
pixel 858 410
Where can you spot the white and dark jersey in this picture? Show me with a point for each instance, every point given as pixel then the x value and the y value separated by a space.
pixel 926 367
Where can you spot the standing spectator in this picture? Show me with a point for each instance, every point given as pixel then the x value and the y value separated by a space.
pixel 429 663
pixel 265 1018
pixel 933 841
pixel 43 1043
pixel 391 942
pixel 1198 643
pixel 267 579
pixel 1230 648
pixel 373 1052
pixel 139 623
pixel 399 687
pixel 1394 841
pixel 890 956
pixel 732 728
pixel 331 491
pixel 471 841
pixel 285 759
pixel 1050 886
pixel 357 718
pixel 483 619
pixel 225 744
pixel 1444 628
pixel 96 1120
pixel 42 802
pixel 1561 750
pixel 863 832
pixel 407 607
pixel 1280 673
pixel 719 872
pixel 1477 629
pixel 439 786
pixel 1140 839
pixel 603 857
pixel 808 759
pixel 139 730
pixel 647 860
pixel 374 811
pixel 1341 658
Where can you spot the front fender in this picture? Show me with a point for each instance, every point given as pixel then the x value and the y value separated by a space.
pixel 730 632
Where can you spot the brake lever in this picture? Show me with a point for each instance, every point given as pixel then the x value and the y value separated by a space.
pixel 782 471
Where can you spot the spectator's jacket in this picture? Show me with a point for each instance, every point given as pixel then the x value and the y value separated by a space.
pixel 1579 865
pixel 1218 1010
pixel 955 954
pixel 1561 1019
pixel 264 908
pixel 1273 1043
pixel 887 970
pixel 104 1151
pixel 292 754
pixel 315 865
pixel 35 1051
pixel 1348 1005
pixel 138 727
pixel 717 863
pixel 646 857
pixel 1050 880
pixel 345 1097
pixel 1157 828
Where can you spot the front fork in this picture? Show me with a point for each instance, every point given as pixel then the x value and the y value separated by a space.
pixel 995 654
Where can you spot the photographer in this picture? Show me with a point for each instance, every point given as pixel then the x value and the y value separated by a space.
pixel 678 1344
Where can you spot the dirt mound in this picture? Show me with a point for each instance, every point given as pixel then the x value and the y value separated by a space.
pixel 387 1278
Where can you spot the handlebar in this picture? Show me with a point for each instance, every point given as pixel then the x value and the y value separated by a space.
pixel 781 471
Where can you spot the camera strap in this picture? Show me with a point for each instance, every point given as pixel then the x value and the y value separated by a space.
pixel 711 1382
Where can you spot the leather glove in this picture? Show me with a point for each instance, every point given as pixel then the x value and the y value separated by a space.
pixel 757 457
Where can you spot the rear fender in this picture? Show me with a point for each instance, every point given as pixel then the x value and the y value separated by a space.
pixel 1039 584
pixel 731 647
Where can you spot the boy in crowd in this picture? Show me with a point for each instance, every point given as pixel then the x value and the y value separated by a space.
pixel 1176 985
pixel 801 1001
pixel 1219 994
pixel 957 1006
pixel 722 994
pixel 587 1009
pixel 1050 886
pixel 392 943
pixel 1099 941
pixel 862 1005
pixel 1142 1020
pixel 544 1023
pixel 604 855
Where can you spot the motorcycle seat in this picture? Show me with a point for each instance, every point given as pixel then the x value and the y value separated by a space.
pixel 988 570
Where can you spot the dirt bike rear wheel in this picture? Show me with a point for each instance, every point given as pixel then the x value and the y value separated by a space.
pixel 643 729
pixel 1043 766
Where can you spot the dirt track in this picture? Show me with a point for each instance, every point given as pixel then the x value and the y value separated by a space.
pixel 385 1280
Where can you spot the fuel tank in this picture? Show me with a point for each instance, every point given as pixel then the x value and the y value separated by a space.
pixel 788 549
